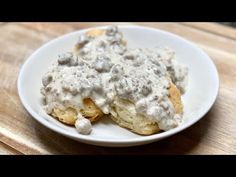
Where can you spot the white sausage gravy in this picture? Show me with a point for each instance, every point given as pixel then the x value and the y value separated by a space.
pixel 105 68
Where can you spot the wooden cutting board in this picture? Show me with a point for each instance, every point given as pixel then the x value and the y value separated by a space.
pixel 21 134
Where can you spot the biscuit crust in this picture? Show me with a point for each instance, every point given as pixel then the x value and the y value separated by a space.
pixel 124 114
pixel 69 115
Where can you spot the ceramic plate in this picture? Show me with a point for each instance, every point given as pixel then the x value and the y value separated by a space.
pixel 201 91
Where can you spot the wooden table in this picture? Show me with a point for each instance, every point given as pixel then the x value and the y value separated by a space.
pixel 21 134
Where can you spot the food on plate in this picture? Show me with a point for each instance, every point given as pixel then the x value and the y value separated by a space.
pixel 140 88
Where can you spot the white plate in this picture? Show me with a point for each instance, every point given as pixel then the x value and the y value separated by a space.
pixel 201 92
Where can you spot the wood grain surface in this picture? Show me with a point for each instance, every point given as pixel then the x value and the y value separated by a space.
pixel 21 134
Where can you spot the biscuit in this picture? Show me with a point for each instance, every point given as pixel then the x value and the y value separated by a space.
pixel 69 115
pixel 125 115
pixel 95 32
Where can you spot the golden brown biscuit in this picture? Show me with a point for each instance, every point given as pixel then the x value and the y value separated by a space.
pixel 69 115
pixel 124 114
pixel 95 32
pixel 175 98
pixel 91 111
